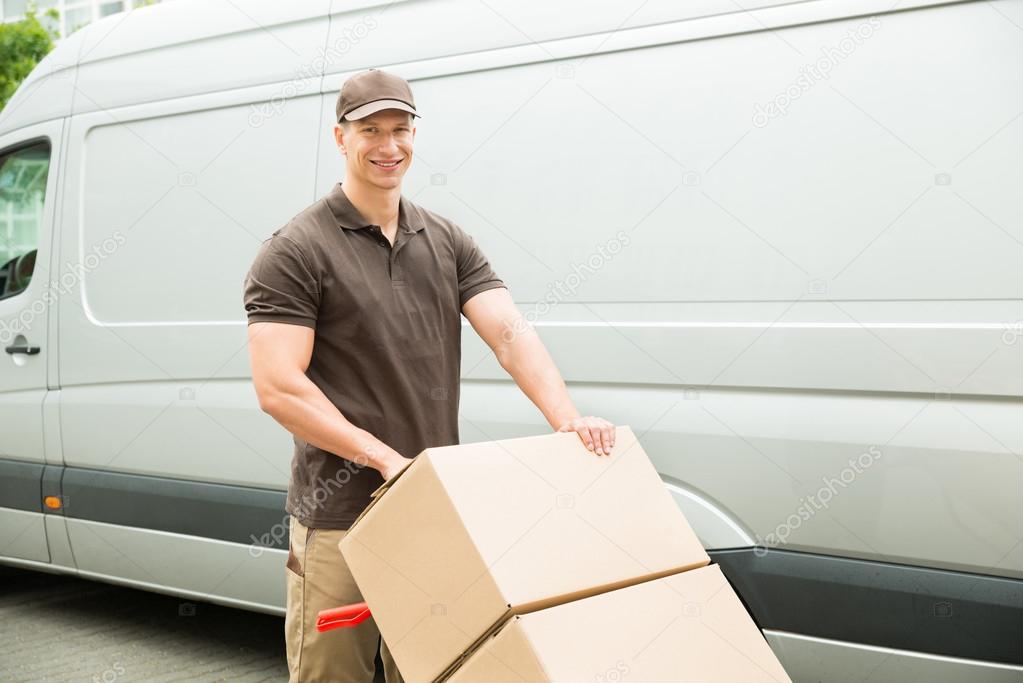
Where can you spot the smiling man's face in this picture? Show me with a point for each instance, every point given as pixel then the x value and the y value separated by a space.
pixel 378 147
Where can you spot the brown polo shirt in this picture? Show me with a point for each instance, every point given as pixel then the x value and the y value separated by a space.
pixel 387 348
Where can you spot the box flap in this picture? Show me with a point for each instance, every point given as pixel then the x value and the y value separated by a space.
pixel 559 599
pixel 506 657
pixel 687 626
pixel 383 488
pixel 487 635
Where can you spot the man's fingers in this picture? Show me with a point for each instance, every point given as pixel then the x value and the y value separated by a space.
pixel 598 441
pixel 598 438
pixel 584 434
pixel 605 438
pixel 596 433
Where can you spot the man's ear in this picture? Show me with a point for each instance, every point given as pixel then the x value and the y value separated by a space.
pixel 339 137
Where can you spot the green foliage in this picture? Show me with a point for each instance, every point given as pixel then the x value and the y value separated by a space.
pixel 22 45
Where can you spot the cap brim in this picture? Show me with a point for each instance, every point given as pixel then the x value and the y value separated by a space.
pixel 373 107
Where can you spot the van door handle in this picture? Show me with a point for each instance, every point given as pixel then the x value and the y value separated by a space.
pixel 22 348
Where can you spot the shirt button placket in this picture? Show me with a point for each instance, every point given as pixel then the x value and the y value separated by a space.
pixel 400 240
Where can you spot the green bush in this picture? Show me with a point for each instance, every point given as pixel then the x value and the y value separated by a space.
pixel 22 45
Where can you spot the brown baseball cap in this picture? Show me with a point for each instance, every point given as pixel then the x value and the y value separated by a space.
pixel 369 91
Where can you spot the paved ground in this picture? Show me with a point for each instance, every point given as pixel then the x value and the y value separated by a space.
pixel 58 628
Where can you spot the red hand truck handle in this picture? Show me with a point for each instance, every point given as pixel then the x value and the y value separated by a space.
pixel 342 617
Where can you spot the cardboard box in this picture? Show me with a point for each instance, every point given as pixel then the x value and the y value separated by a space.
pixel 685 627
pixel 466 536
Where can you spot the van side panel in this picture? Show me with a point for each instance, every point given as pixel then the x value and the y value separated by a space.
pixel 167 204
pixel 207 48
pixel 837 286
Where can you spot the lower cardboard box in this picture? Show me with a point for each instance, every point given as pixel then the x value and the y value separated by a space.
pixel 689 626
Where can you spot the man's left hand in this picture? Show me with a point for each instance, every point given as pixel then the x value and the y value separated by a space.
pixel 597 433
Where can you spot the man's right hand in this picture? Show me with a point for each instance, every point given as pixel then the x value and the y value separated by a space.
pixel 393 465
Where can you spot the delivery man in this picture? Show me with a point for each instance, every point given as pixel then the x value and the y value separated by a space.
pixel 354 337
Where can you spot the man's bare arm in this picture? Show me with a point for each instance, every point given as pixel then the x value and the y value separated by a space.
pixel 280 355
pixel 519 350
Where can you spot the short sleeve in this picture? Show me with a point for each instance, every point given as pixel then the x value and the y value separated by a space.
pixel 474 272
pixel 280 286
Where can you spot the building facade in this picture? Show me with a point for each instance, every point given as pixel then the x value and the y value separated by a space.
pixel 73 13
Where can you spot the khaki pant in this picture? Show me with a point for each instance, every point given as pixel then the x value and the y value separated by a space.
pixel 318 578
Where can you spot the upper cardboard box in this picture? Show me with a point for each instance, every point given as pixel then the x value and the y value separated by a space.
pixel 467 535
pixel 684 627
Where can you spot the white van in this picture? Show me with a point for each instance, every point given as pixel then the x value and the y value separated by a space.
pixel 781 242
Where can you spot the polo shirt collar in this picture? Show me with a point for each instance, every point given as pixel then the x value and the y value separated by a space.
pixel 348 216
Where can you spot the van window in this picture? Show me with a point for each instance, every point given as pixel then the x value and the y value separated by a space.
pixel 22 191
